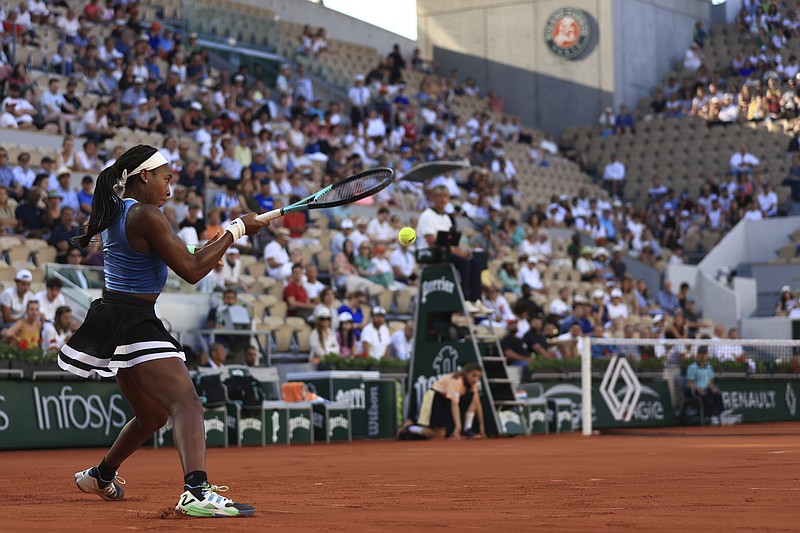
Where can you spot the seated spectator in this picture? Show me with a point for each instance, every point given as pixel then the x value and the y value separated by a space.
pixel 30 216
pixel 560 306
pixel 65 229
pixel 57 332
pixel 232 269
pixel 17 112
pixel 346 336
pixel 312 284
pixel 379 230
pixel 26 332
pixel 530 276
pixel 700 382
pixel 507 276
pixel 617 308
pixel 277 257
pixel 536 341
pixel 514 349
pixel 217 357
pixel 402 342
pixel 614 176
pixel 88 160
pixel 786 302
pixel 767 201
pixel 375 337
pixel 50 299
pixel 404 265
pixel 14 300
pixel 581 315
pixel 295 296
pixel 75 274
pixel 743 162
pixel 570 344
pixel 323 339
pixel 327 300
pixel 667 300
pixel 352 305
pixel 625 121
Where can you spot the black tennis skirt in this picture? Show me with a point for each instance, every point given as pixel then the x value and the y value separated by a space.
pixel 120 331
pixel 442 412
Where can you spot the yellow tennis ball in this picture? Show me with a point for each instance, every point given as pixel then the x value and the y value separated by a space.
pixel 407 236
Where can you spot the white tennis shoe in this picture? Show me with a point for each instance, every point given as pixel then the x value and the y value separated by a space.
pixel 212 504
pixel 111 490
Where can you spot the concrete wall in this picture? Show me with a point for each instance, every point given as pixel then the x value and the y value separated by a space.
pixel 337 25
pixel 649 36
pixel 770 278
pixel 636 43
pixel 766 328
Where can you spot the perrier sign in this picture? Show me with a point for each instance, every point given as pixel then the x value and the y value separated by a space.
pixel 438 350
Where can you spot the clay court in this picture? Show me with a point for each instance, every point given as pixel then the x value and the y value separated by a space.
pixel 553 483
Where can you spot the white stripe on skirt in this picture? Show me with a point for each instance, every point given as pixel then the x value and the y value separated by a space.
pixel 83 373
pixel 145 358
pixel 69 351
pixel 144 345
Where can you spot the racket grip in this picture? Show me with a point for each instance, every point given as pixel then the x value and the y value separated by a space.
pixel 270 215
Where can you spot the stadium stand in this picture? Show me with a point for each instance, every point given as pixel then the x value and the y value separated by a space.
pixel 522 183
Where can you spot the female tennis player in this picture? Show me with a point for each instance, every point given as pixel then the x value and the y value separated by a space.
pixel 122 336
pixel 449 407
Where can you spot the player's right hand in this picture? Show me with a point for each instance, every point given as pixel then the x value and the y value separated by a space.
pixel 252 225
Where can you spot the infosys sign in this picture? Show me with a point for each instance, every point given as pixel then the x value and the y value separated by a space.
pixel 60 414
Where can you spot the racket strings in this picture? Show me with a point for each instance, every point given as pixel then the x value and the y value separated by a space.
pixel 360 186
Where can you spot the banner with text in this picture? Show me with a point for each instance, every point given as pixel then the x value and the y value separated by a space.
pixel 60 414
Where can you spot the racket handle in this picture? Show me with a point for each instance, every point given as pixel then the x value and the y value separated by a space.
pixel 270 215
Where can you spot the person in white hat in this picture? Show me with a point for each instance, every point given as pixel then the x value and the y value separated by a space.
pixel 276 256
pixel 359 98
pixel 347 336
pixel 375 337
pixel 617 308
pixel 346 228
pixel 323 340
pixel 529 274
pixel 14 300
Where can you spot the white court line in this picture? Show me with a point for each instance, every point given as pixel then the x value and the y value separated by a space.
pixel 782 451
pixel 772 488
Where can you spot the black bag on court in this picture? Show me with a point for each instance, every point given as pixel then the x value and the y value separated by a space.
pixel 210 389
pixel 244 389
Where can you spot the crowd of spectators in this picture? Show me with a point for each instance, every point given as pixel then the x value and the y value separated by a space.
pixel 35 320
pixel 239 144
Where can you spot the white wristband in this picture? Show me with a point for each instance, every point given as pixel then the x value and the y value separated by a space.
pixel 236 228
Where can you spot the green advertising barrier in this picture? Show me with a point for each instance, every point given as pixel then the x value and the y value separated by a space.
pixel 382 413
pixel 440 297
pixel 276 423
pixel 332 422
pixel 756 400
pixel 301 425
pixel 341 386
pixel 653 408
pixel 61 414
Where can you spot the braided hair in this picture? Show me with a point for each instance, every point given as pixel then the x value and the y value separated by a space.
pixel 107 206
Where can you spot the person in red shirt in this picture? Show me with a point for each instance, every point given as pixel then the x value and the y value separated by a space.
pixel 295 294
pixel 410 128
pixel 296 222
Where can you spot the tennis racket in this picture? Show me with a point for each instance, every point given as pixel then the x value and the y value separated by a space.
pixel 425 171
pixel 346 191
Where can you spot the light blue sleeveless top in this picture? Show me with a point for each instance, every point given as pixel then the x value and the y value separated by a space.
pixel 127 270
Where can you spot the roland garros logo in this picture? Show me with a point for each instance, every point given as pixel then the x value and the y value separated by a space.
pixel 567 32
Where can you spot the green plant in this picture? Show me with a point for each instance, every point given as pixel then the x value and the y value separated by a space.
pixel 34 355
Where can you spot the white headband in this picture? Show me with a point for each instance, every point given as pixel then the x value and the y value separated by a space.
pixel 153 162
